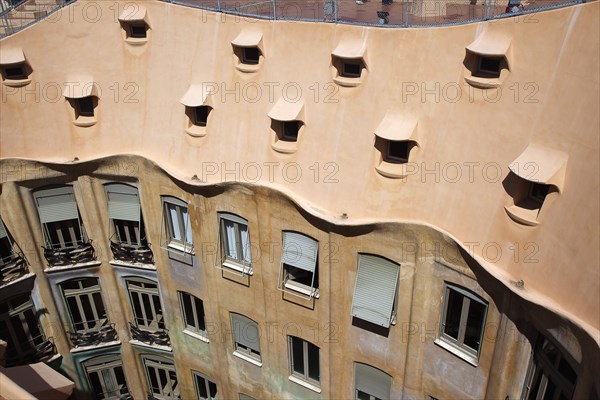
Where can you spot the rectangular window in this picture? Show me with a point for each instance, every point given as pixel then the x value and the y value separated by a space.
pixel 246 338
pixel 251 55
pixel 106 378
pixel 398 150
pixel 201 115
pixel 162 377
pixel 235 243
pixel 538 192
pixel 20 329
pixel 192 309
pixel 463 321
pixel 351 69
pixel 375 290
pixel 290 131
pixel 137 31
pixel 489 66
pixel 145 303
pixel 125 215
pixel 84 302
pixel 299 272
pixel 205 388
pixel 7 254
pixel 59 217
pixel 85 106
pixel 177 225
pixel 304 361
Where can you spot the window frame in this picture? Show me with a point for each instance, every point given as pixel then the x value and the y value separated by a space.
pixel 200 119
pixel 457 345
pixel 286 136
pixel 157 323
pixel 351 62
pixel 405 151
pixel 98 365
pixel 78 294
pixel 169 240
pixel 293 286
pixel 20 311
pixel 206 381
pixel 303 378
pixel 240 349
pixel 166 365
pixel 125 229
pixel 243 251
pixel 11 254
pixel 250 60
pixel 489 73
pixel 199 320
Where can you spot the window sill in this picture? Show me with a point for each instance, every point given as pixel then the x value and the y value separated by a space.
pixel 247 358
pixel 63 268
pixel 346 81
pixel 85 122
pixel 196 335
pixel 300 288
pixel 282 146
pixel 307 385
pixel 392 170
pixel 136 41
pixel 237 267
pixel 172 246
pixel 196 131
pixel 95 346
pixel 16 82
pixel 247 68
pixel 150 346
pixel 474 361
pixel 483 83
pixel 151 267
pixel 523 215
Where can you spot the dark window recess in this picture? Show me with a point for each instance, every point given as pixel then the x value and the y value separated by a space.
pixel 201 115
pixel 137 31
pixel 14 72
pixel 85 106
pixel 398 151
pixel 351 70
pixel 290 131
pixel 251 55
pixel 490 66
pixel 538 192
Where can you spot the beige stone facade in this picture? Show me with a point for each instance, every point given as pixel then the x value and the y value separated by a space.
pixel 454 219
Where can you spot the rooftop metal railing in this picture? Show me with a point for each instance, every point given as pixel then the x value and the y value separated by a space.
pixel 19 14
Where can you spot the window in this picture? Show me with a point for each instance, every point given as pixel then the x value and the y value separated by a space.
pixel 20 329
pixel 85 107
pixel 371 383
pixel 59 217
pixel 192 309
pixel 290 131
pixel 134 24
pixel 14 68
pixel 15 72
pixel 287 124
pixel 235 243
pixel 538 192
pixel 205 388
pixel 201 115
pixel 489 66
pixel 145 303
pixel 124 211
pixel 375 290
pixel 462 322
pixel 246 397
pixel 304 362
pixel 177 225
pixel 251 55
pixel 299 272
pixel 106 378
pixel 397 151
pixel 161 376
pixel 137 31
pixel 550 375
pixel 12 265
pixel 351 68
pixel 246 338
pixel 84 302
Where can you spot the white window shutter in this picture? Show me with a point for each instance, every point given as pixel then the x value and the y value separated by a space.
pixel 246 332
pixel 299 251
pixel 56 204
pixel 372 381
pixel 375 289
pixel 123 202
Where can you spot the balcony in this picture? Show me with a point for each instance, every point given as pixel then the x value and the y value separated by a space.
pixel 159 337
pixel 133 254
pixel 12 268
pixel 37 350
pixel 82 253
pixel 105 334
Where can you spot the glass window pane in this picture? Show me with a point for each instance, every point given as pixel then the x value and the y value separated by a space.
pixel 230 239
pixel 453 313
pixel 201 385
pixel 174 217
pixel 298 355
pixel 212 388
pixel 200 314
pixel 189 313
pixel 313 361
pixel 475 323
pixel 188 225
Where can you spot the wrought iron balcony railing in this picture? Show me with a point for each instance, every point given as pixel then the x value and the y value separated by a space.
pixel 105 334
pixel 159 337
pixel 39 350
pixel 13 268
pixel 75 255
pixel 137 254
